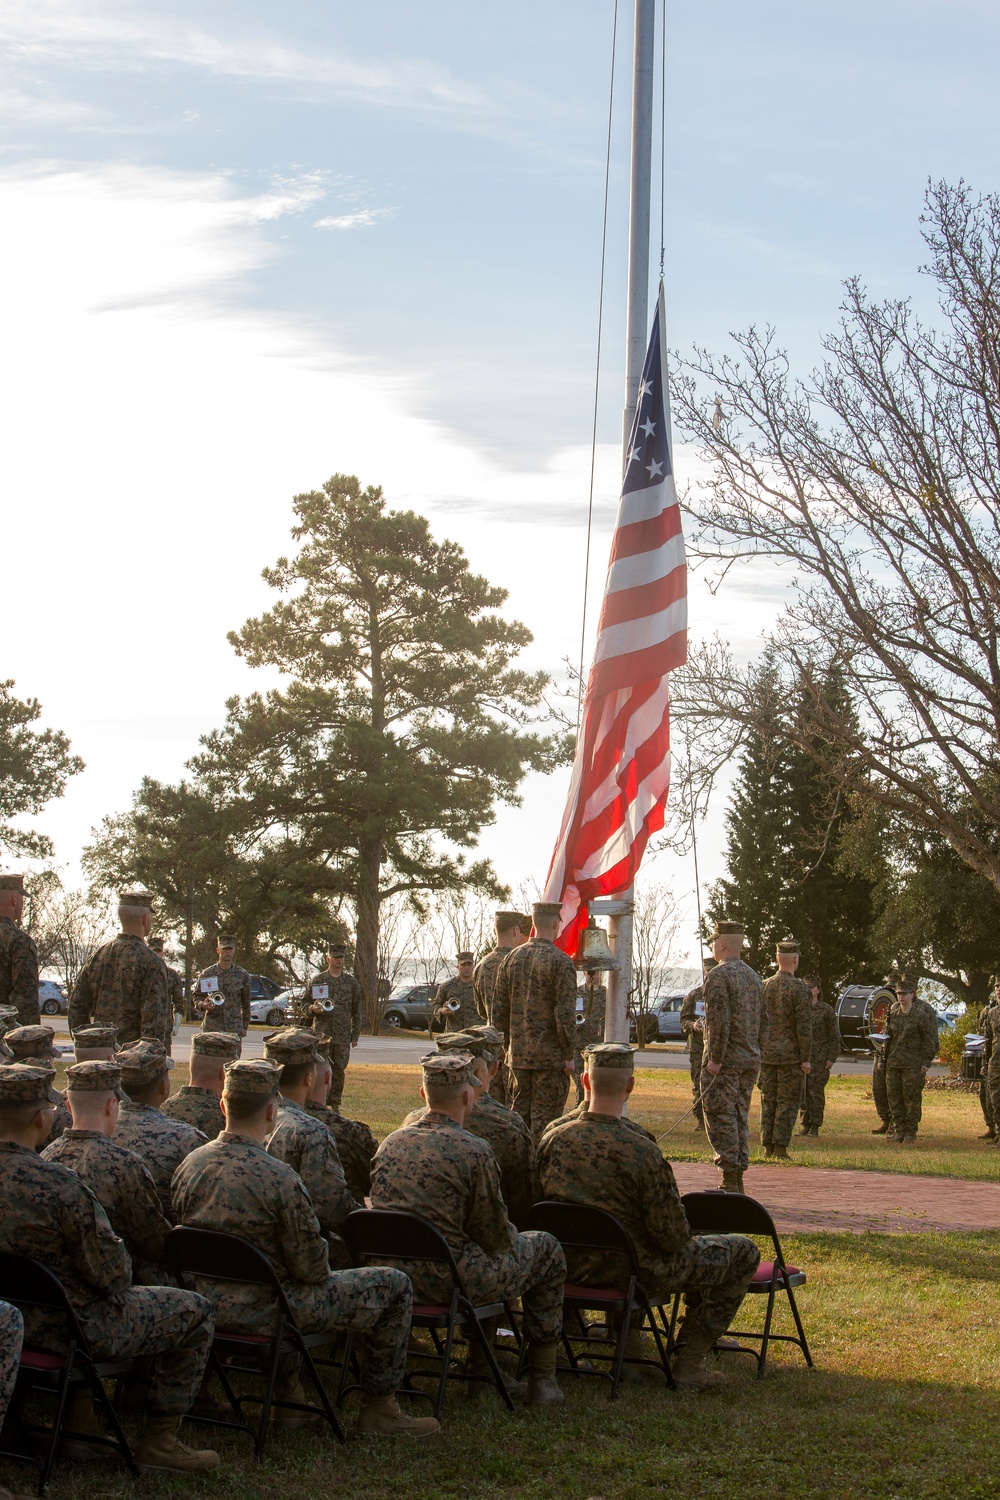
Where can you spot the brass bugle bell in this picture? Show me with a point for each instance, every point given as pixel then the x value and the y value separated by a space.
pixel 218 999
pixel 452 1005
pixel 592 951
pixel 326 1004
pixel 581 1018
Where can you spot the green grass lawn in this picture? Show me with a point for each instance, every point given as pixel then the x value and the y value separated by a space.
pixel 904 1401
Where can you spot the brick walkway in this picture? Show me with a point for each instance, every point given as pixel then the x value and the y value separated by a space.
pixel 800 1199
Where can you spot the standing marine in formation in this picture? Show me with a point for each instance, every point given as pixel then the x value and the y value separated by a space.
pixel 787 1052
pixel 693 1028
pixel 512 929
pixel 455 1001
pixel 336 1016
pixel 535 1008
pixel 825 1050
pixel 232 987
pixel 909 1052
pixel 124 984
pixel 735 1035
pixel 989 1084
pixel 18 955
pixel 175 984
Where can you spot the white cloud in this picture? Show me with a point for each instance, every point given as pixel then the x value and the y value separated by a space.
pixel 361 219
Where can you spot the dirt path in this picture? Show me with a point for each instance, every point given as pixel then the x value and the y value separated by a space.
pixel 810 1198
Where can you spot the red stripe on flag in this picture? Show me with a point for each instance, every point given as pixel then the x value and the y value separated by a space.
pixel 646 536
pixel 645 599
pixel 637 666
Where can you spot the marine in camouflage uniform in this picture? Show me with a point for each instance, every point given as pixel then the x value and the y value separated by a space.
pixel 989 1086
pixel 535 1008
pixel 880 1096
pixel 11 1338
pixel 160 1143
pixel 305 1144
pixel 116 1177
pixel 36 1044
pixel 589 1020
pixel 124 984
pixel 785 1059
pixel 18 955
pixel 458 990
pixel 598 1161
pixel 693 1028
pixel 339 1028
pixel 235 1186
pixel 175 985
pixel 512 929
pixel 196 1103
pixel 735 1034
pixel 356 1143
pixel 441 1171
pixel 233 1015
pixel 909 1052
pixel 824 1051
pixel 502 1129
pixel 50 1215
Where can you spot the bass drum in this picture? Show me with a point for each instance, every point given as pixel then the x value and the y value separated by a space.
pixel 862 1011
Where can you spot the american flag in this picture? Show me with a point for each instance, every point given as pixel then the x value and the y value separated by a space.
pixel 622 769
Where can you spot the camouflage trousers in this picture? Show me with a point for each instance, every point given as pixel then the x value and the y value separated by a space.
pixel 815 1105
pixel 780 1097
pixel 905 1087
pixel 712 1271
pixel 539 1097
pixel 725 1099
pixel 534 1270
pixel 502 1087
pixel 373 1302
pixel 696 1049
pixel 992 1092
pixel 11 1334
pixel 339 1055
pixel 880 1096
pixel 172 1328
pixel 986 1100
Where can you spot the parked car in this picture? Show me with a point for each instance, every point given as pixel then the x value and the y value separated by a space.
pixel 662 1022
pixel 273 1009
pixel 409 1005
pixel 51 998
pixel 262 988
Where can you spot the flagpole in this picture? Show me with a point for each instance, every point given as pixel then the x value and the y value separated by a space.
pixel 637 333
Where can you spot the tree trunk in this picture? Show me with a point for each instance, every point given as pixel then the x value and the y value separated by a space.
pixel 366 940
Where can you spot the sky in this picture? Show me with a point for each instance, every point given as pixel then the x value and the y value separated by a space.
pixel 246 246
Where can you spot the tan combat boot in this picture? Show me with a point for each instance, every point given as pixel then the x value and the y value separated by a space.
pixel 162 1449
pixel 381 1416
pixel 291 1421
pixel 543 1387
pixel 781 1153
pixel 768 1148
pixel 731 1180
pixel 638 1347
pixel 81 1417
pixel 690 1366
pixel 476 1363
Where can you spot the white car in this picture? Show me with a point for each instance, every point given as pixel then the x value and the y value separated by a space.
pixel 51 998
pixel 273 1011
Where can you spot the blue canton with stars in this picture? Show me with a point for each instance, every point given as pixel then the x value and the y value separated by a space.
pixel 648 454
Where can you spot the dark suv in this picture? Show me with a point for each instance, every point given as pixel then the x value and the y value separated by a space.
pixel 662 1022
pixel 409 1005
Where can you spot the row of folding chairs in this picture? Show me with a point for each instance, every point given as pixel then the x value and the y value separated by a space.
pixel 247 1366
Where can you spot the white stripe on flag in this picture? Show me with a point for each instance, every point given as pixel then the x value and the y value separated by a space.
pixel 635 635
pixel 646 567
pixel 648 794
pixel 644 723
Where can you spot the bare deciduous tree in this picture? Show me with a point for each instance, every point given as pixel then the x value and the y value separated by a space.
pixel 877 482
pixel 67 927
pixel 655 927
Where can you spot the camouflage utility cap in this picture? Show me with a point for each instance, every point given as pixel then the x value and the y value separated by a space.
pixel 12 883
pixel 94 1078
pixel 155 944
pixel 490 1037
pixel 545 911
pixel 906 984
pixel 252 1077
pixel 21 1084
pixel 31 1041
pixel 226 940
pixel 506 921
pixel 8 1013
pixel 610 1055
pixel 293 1044
pixel 447 1069
pixel 465 957
pixel 465 1041
pixel 136 898
pixel 143 1063
pixel 95 1036
pixel 710 963
pixel 336 950
pixel 216 1044
pixel 789 945
pixel 728 929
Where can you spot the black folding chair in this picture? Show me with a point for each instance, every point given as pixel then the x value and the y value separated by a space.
pixel 579 1227
pixel 31 1286
pixel 383 1236
pixel 229 1257
pixel 733 1213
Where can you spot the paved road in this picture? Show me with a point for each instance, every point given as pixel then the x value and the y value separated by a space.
pixel 408 1047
